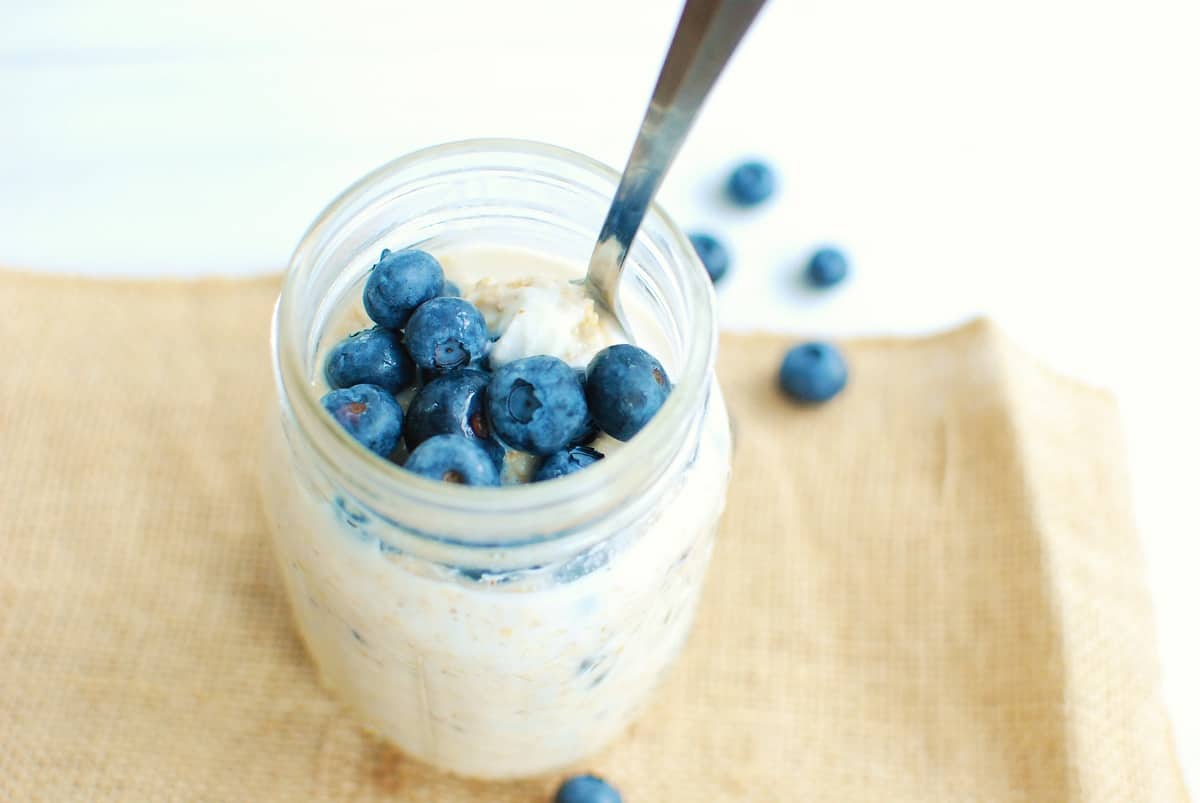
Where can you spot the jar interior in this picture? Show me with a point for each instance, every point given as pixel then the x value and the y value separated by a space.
pixel 506 194
pixel 498 208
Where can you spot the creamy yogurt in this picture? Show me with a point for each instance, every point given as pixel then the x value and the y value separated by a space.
pixel 503 673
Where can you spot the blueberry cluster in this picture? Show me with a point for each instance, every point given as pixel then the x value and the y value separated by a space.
pixel 752 184
pixel 464 417
pixel 810 372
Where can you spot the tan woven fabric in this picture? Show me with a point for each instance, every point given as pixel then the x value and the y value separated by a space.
pixel 928 590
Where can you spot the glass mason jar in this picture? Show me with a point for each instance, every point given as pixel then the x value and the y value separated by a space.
pixel 494 632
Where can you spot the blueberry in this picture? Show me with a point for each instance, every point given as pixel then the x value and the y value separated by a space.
pixel 370 357
pixel 449 288
pixel 587 432
pixel 750 184
pixel 625 388
pixel 400 282
pixel 452 403
pixel 826 267
pixel 586 789
pixel 446 333
pixel 453 458
pixel 812 372
pixel 712 253
pixel 568 461
pixel 369 413
pixel 536 404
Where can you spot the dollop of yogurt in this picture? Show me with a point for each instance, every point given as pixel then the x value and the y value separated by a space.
pixel 542 315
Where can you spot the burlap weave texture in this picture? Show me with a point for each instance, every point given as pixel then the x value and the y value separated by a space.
pixel 928 590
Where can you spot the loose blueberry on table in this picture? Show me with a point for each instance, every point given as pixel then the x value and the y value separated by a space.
pixel 750 183
pixel 813 372
pixel 586 789
pixel 712 253
pixel 826 267
pixel 464 418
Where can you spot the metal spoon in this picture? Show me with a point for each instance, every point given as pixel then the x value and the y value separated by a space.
pixel 705 38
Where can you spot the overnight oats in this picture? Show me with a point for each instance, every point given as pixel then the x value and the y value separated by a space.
pixel 493 509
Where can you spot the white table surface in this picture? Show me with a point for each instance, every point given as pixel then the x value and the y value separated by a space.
pixel 1035 160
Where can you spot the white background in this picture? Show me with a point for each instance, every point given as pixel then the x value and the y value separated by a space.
pixel 1036 160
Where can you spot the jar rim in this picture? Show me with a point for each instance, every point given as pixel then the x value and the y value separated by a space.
pixel 380 480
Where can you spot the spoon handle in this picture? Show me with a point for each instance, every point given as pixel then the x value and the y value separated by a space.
pixel 705 38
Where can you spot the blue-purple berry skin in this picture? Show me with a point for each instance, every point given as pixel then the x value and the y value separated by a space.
pixel 713 254
pixel 826 267
pixel 813 372
pixel 751 183
pixel 587 789
pixel 452 403
pixel 370 357
pixel 400 282
pixel 369 413
pixel 536 404
pixel 568 461
pixel 454 459
pixel 625 387
pixel 446 333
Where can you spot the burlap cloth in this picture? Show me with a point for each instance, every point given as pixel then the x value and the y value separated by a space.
pixel 928 590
